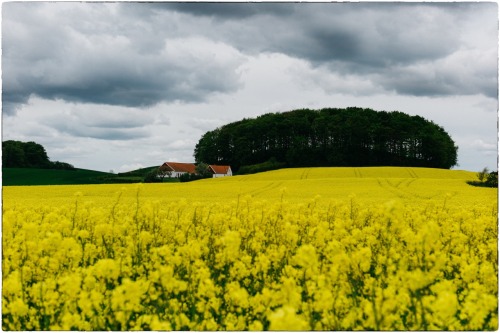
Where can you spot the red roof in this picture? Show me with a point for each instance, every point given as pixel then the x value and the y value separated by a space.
pixel 180 167
pixel 220 169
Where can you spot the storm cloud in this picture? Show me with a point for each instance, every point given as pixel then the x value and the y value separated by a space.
pixel 229 11
pixel 370 39
pixel 86 53
pixel 65 59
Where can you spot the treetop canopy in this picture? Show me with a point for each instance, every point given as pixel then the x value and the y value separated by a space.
pixel 329 137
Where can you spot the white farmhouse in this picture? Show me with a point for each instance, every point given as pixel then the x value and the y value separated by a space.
pixel 220 170
pixel 177 169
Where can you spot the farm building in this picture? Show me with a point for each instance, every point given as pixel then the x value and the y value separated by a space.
pixel 177 169
pixel 220 170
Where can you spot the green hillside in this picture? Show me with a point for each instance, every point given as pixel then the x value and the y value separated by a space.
pixel 139 172
pixel 32 176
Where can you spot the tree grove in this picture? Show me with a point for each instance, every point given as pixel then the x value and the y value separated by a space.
pixel 330 137
pixel 17 154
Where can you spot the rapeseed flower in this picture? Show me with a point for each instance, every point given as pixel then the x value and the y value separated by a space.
pixel 416 259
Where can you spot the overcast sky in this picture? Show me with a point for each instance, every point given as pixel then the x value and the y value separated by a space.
pixel 119 86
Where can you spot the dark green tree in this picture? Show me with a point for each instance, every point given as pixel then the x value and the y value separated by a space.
pixel 483 174
pixel 155 176
pixel 203 170
pixel 492 179
pixel 35 155
pixel 329 137
pixel 17 154
pixel 485 179
pixel 13 154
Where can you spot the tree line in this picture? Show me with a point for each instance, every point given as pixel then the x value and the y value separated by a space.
pixel 485 179
pixel 329 137
pixel 17 154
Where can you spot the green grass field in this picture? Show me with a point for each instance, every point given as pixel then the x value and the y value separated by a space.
pixel 28 176
pixel 32 176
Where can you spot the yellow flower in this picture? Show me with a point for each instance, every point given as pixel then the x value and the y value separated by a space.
pixel 144 259
pixel 231 245
pixel 306 257
pixel 107 269
pixel 256 325
pixel 286 319
pixel 12 284
pixel 236 295
pixel 444 309
pixel 129 295
pixel 17 308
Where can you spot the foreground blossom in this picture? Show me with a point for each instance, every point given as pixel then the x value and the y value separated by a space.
pixel 142 262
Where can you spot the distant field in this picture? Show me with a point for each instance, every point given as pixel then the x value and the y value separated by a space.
pixel 28 176
pixel 412 186
pixel 32 176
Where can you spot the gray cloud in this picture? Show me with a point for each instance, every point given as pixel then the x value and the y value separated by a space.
pixel 142 54
pixel 382 42
pixel 101 122
pixel 373 33
pixel 452 75
pixel 234 11
pixel 484 146
pixel 206 124
pixel 76 129
pixel 68 59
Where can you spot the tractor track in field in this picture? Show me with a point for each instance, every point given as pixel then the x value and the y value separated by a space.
pixel 357 173
pixel 412 173
pixel 396 189
pixel 270 186
pixel 405 182
pixel 400 189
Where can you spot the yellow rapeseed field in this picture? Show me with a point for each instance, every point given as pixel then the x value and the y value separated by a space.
pixel 293 249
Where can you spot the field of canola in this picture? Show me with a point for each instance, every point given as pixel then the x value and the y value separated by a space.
pixel 293 249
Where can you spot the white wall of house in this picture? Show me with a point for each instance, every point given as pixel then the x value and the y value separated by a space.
pixel 219 175
pixel 177 174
